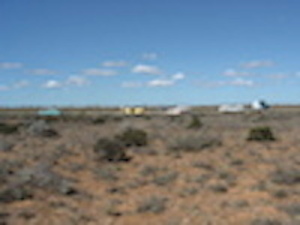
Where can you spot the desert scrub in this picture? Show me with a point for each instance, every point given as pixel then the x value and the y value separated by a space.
pixel 5 146
pixel 293 209
pixel 153 204
pixel 266 221
pixel 195 123
pixel 261 134
pixel 133 137
pixel 110 150
pixel 100 120
pixel 8 128
pixel 193 143
pixel 107 172
pixel 41 128
pixel 165 178
pixel 286 174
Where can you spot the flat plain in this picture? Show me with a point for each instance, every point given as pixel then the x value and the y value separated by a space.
pixel 199 168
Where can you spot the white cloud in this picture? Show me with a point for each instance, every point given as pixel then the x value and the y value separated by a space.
pixel 132 84
pixel 146 69
pixel 222 83
pixel 234 73
pixel 160 83
pixel 99 72
pixel 4 88
pixel 178 76
pixel 21 84
pixel 10 65
pixel 149 56
pixel 278 76
pixel 53 84
pixel 77 81
pixel 258 64
pixel 114 64
pixel 242 82
pixel 42 71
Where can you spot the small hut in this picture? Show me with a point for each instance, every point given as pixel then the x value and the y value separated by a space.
pixel 51 112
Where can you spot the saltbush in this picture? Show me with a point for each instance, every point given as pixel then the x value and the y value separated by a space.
pixel 133 137
pixel 110 150
pixel 261 134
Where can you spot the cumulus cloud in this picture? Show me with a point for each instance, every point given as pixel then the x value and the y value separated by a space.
pixel 234 73
pixel 258 64
pixel 278 76
pixel 114 63
pixel 99 72
pixel 20 84
pixel 17 85
pixel 242 82
pixel 132 84
pixel 149 56
pixel 42 71
pixel 4 88
pixel 160 83
pixel 146 69
pixel 222 83
pixel 10 65
pixel 77 81
pixel 178 76
pixel 52 84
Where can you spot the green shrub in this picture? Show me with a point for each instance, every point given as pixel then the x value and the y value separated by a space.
pixel 194 143
pixel 8 128
pixel 102 119
pixel 195 123
pixel 153 204
pixel 110 150
pixel 286 175
pixel 133 137
pixel 261 134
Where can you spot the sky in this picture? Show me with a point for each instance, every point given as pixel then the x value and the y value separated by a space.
pixel 141 52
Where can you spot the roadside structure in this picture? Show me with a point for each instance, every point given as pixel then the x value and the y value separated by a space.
pixel 231 108
pixel 259 105
pixel 177 110
pixel 133 111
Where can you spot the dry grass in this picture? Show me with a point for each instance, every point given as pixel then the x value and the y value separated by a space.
pixel 217 177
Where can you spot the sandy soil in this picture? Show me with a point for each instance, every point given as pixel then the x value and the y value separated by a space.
pixel 230 181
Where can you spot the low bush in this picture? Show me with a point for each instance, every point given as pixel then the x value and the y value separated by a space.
pixel 15 193
pixel 194 143
pixel 100 120
pixel 5 146
pixel 133 137
pixel 153 204
pixel 287 175
pixel 293 209
pixel 266 221
pixel 41 128
pixel 261 134
pixel 110 150
pixel 8 128
pixel 195 123
pixel 165 178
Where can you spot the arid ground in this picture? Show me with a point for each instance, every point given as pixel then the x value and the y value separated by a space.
pixel 198 168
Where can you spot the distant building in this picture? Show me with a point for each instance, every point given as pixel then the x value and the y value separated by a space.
pixel 135 111
pixel 51 112
pixel 259 105
pixel 231 108
pixel 177 110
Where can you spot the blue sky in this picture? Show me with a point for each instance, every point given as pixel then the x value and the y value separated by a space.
pixel 119 52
